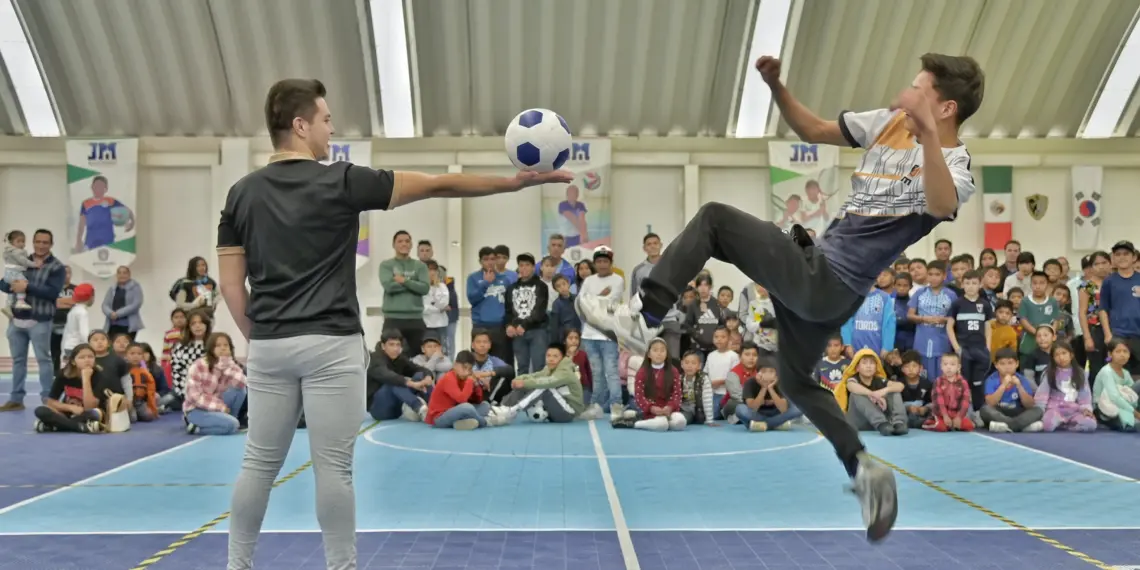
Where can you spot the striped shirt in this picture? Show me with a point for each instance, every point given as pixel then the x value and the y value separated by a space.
pixel 886 211
pixel 44 285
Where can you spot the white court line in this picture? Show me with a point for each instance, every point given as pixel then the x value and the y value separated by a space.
pixel 624 538
pixel 1057 457
pixel 111 471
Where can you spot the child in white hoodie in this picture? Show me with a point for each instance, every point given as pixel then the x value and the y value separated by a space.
pixel 435 303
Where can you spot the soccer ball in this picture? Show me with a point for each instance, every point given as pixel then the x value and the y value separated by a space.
pixel 591 180
pixel 538 140
pixel 120 216
pixel 537 412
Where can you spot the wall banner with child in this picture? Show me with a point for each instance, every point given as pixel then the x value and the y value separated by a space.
pixel 360 154
pixel 581 210
pixel 805 184
pixel 102 184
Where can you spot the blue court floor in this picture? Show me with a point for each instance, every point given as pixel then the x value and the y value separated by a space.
pixel 577 497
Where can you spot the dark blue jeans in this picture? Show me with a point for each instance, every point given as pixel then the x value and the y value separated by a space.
pixel 530 350
pixel 388 401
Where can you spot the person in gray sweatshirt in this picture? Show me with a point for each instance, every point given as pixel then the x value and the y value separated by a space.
pixel 431 356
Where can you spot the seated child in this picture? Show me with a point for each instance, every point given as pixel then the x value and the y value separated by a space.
pixel 144 385
pixel 16 261
pixel 431 356
pixel 829 371
pixel 1114 393
pixel 215 391
pixel 78 396
pixel 458 401
pixel 734 383
pixel 396 386
pixel 491 369
pixel 873 402
pixel 553 394
pixel 696 391
pixel 657 389
pixel 764 407
pixel 950 404
pixel 917 391
pixel 1009 398
pixel 1034 364
pixel 1064 394
pixel 112 365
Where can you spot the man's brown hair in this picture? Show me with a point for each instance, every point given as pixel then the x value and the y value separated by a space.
pixel 287 100
pixel 959 79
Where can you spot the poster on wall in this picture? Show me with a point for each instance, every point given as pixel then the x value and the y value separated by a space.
pixel 1087 185
pixel 805 184
pixel 360 154
pixel 580 211
pixel 102 186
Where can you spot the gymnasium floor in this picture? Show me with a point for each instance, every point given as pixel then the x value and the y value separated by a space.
pixel 576 497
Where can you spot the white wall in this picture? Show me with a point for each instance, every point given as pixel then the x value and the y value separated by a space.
pixel 651 190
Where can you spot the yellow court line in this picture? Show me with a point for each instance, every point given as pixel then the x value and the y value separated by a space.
pixel 190 536
pixel 1003 519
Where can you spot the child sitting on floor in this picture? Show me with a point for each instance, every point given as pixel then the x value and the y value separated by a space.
pixel 1114 391
pixel 457 401
pixel 764 407
pixel 657 389
pixel 696 391
pixel 950 404
pixel 874 402
pixel 917 391
pixel 1064 394
pixel 1010 405
pixel 553 394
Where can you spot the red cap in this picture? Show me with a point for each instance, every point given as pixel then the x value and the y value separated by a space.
pixel 83 293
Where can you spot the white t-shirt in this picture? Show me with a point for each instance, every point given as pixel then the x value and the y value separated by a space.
pixel 718 365
pixel 594 285
pixel 76 329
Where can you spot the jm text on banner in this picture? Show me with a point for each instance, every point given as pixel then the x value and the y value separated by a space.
pixel 580 211
pixel 805 184
pixel 102 188
pixel 360 154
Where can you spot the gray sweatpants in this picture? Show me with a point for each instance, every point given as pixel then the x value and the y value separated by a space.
pixel 328 371
pixel 866 415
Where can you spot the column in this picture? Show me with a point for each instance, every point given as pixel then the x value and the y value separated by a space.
pixel 233 164
pixel 692 191
pixel 456 265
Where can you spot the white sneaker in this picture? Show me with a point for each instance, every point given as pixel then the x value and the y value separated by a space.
pixel 593 412
pixel 616 411
pixel 408 414
pixel 999 427
pixel 620 321
pixel 757 426
pixel 500 416
pixel 732 420
pixel 878 494
pixel 465 425
pixel 1034 427
pixel 629 415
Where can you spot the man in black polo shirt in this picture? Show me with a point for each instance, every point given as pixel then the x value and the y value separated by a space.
pixel 291 228
pixel 33 327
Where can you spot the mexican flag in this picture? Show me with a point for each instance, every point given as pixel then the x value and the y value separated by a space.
pixel 997 192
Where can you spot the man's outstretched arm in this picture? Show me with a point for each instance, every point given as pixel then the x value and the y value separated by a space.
pixel 809 126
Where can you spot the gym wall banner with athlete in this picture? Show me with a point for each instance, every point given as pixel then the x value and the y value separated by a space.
pixel 805 184
pixel 102 185
pixel 580 211
pixel 360 154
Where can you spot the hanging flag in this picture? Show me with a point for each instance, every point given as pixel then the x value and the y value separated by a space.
pixel 805 184
pixel 102 183
pixel 1087 184
pixel 997 192
pixel 360 154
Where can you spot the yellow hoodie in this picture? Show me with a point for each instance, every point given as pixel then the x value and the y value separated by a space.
pixel 852 371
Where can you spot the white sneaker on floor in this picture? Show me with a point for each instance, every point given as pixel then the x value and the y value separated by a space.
pixel 620 321
pixel 732 420
pixel 616 411
pixel 592 412
pixel 629 415
pixel 875 486
pixel 500 416
pixel 408 414
pixel 465 425
pixel 1034 427
pixel 757 426
pixel 999 427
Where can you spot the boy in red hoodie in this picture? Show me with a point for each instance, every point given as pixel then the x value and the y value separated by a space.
pixel 457 400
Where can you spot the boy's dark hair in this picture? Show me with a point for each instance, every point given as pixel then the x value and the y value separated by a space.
pixel 1052 261
pixel 1011 242
pixel 694 352
pixel 1003 304
pixel 390 335
pixel 967 258
pixel 287 100
pixel 525 258
pixel 1038 273
pixel 485 251
pixel 426 242
pixel 720 328
pixel 835 337
pixel 118 335
pixel 957 78
pixel 912 356
pixel 1026 257
pixel 749 345
pixel 963 258
pixel 431 264
pixel 941 241
pixel 905 276
pixel 915 260
pixel 936 265
pixel 557 277
pixel 176 311
pixel 650 236
pixel 502 250
pixel 991 268
pixel 1013 290
pixel 765 362
pixel 972 274
pixel 465 357
pixel 478 332
pixel 725 288
pixel 430 338
pixel 401 233
pixel 1005 354
pixel 560 347
pixel 952 354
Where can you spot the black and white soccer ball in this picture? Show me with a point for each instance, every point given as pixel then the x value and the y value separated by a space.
pixel 537 412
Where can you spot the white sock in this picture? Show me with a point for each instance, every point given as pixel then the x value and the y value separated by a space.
pixel 677 421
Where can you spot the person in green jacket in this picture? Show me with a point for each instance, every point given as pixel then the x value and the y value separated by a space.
pixel 553 394
pixel 405 282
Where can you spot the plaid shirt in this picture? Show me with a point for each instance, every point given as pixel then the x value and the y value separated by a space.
pixel 204 388
pixel 950 398
pixel 44 285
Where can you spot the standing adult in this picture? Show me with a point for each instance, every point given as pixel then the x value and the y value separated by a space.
pixel 290 228
pixel 405 282
pixel 62 307
pixel 197 290
pixel 123 305
pixel 33 326
pixel 1012 252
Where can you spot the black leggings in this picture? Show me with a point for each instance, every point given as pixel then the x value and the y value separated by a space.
pixel 63 422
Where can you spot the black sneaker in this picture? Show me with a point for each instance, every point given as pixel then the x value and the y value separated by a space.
pixel 886 429
pixel 901 429
pixel 623 423
pixel 875 486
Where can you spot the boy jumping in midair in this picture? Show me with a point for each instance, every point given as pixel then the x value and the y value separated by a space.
pixel 915 173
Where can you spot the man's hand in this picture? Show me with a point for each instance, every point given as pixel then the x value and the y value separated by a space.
pixel 527 178
pixel 769 68
pixel 517 384
pixel 398 278
pixel 914 103
pixel 489 276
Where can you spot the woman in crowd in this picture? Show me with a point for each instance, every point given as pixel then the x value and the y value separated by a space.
pixel 123 305
pixel 77 396
pixel 197 290
pixel 583 269
pixel 987 258
pixel 190 347
pixel 1087 314
pixel 215 390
